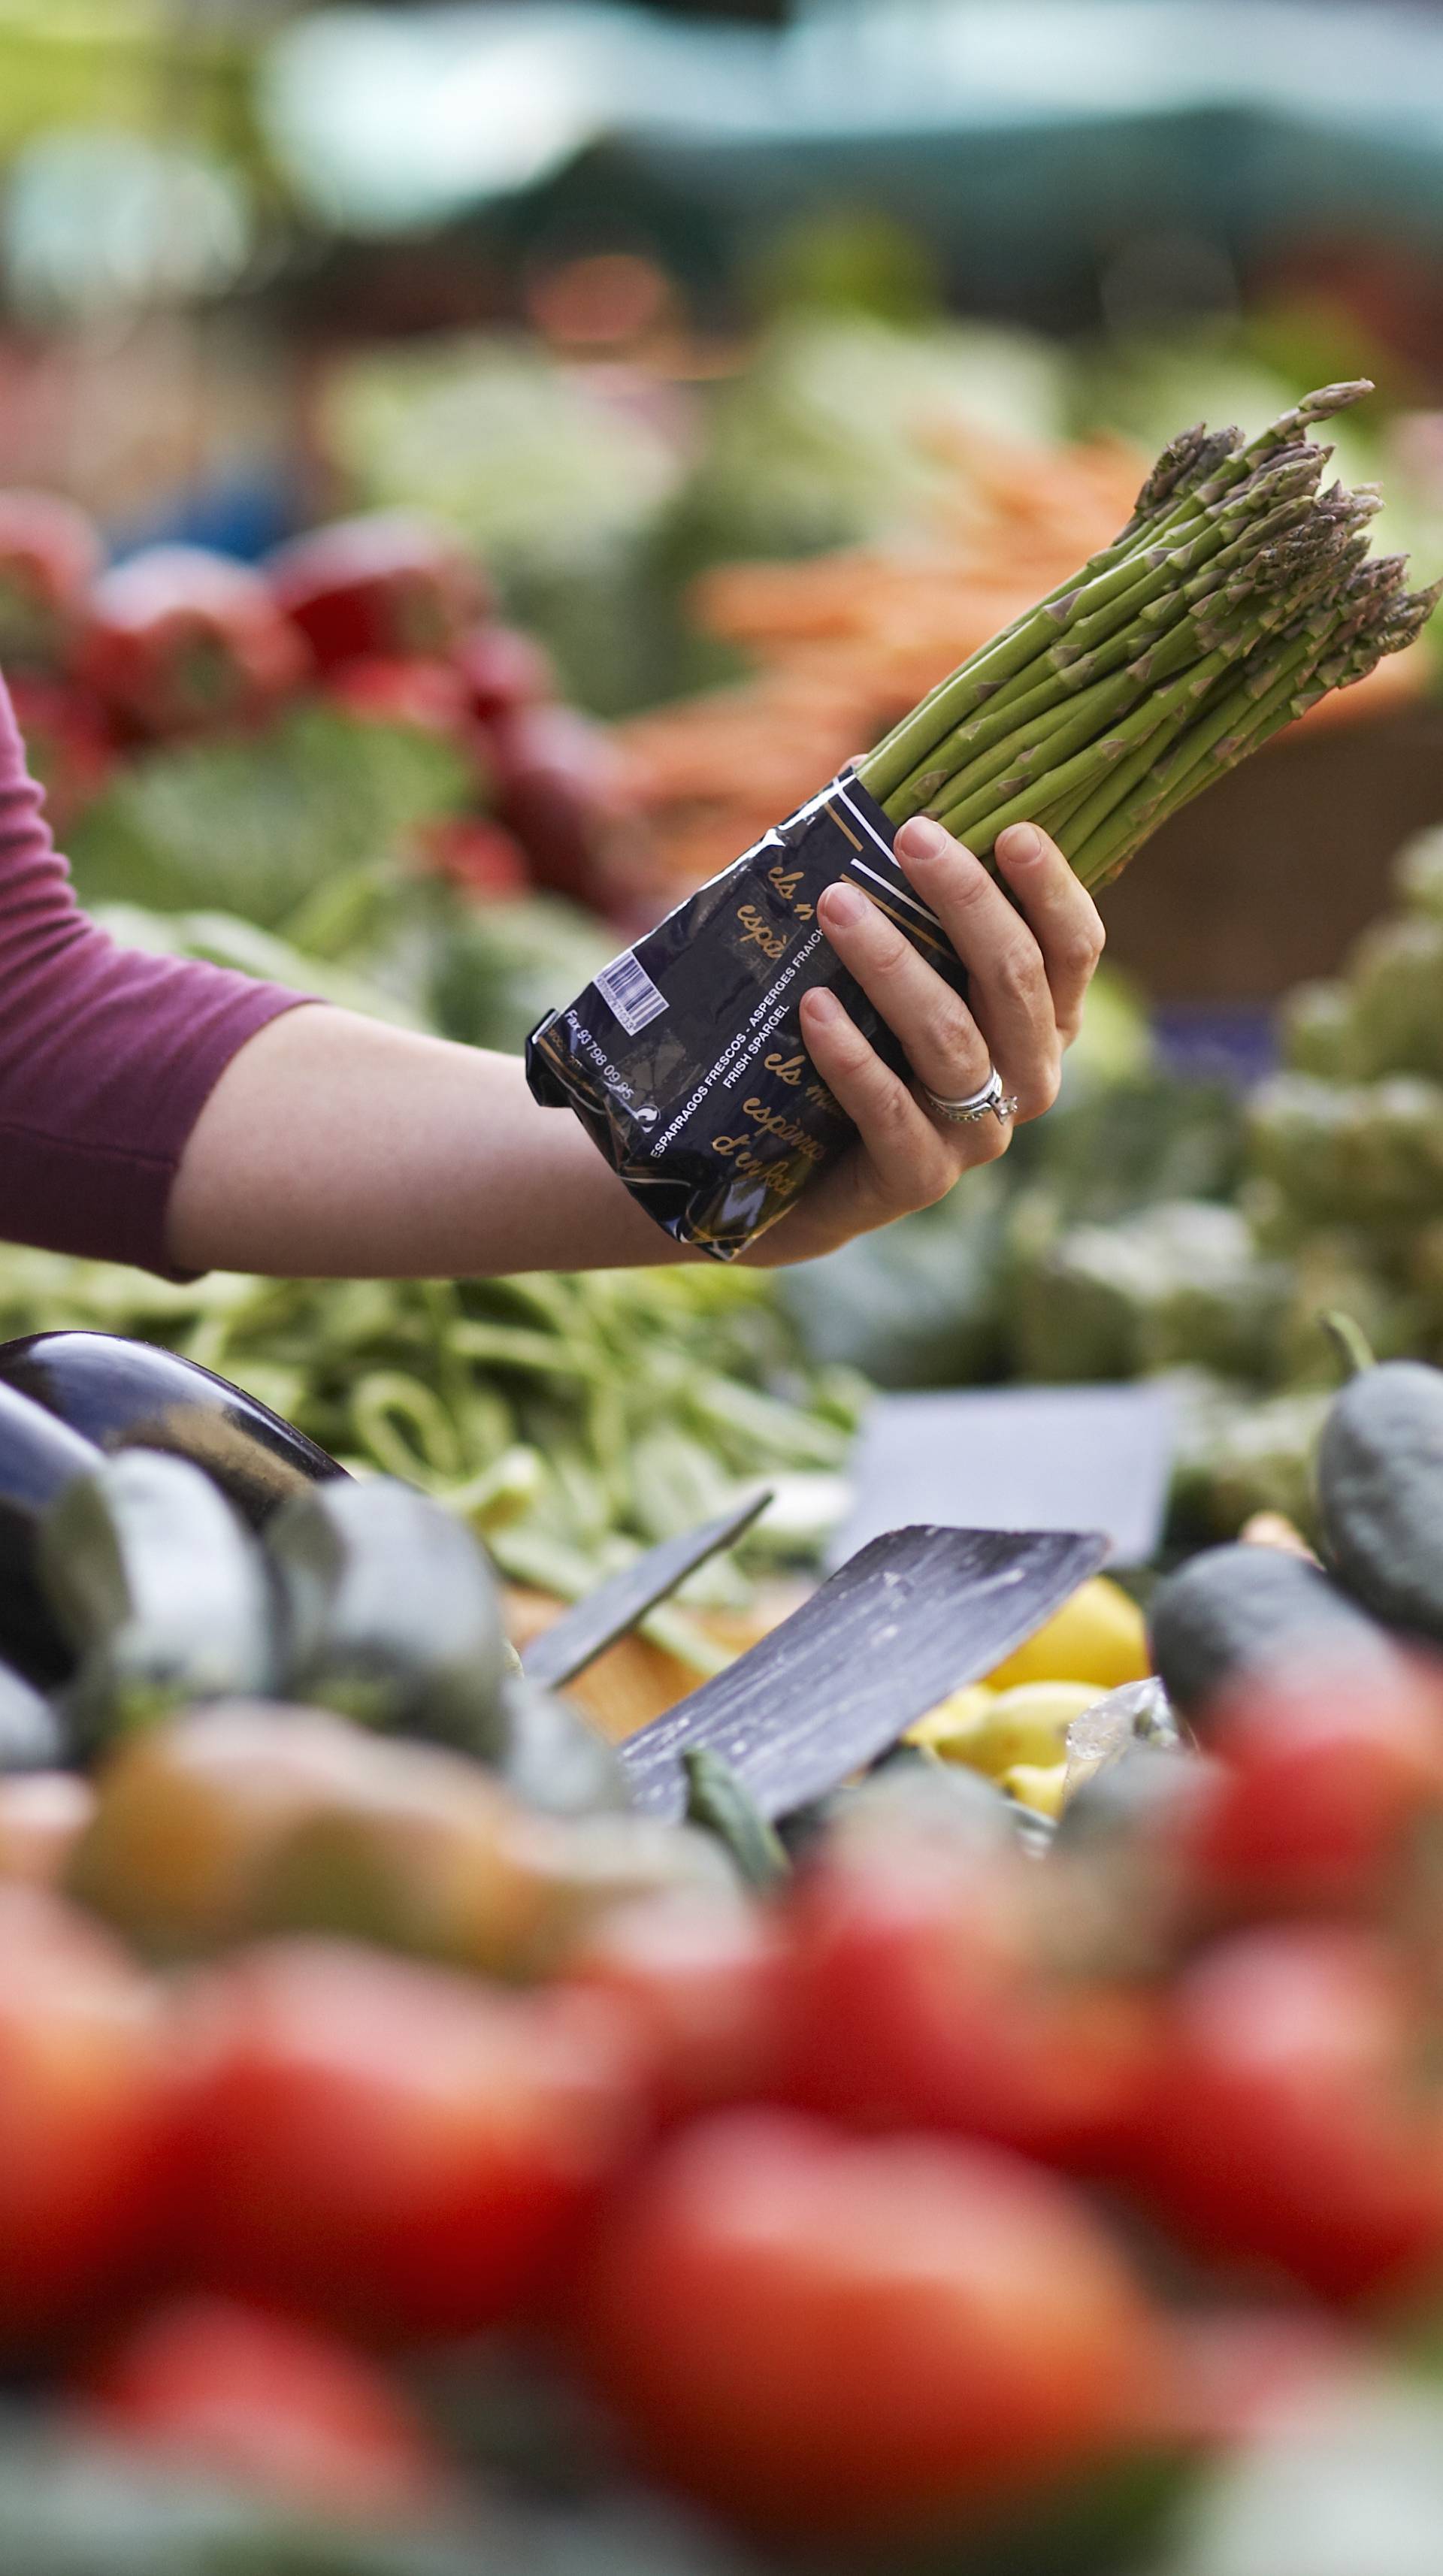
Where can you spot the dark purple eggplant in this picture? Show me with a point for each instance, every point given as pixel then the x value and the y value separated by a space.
pixel 130 1395
pixel 39 1457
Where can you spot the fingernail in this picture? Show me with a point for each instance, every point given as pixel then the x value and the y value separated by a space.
pixel 923 838
pixel 845 906
pixel 1023 843
pixel 822 1006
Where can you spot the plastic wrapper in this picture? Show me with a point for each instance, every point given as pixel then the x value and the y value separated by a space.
pixel 684 1058
pixel 1138 1713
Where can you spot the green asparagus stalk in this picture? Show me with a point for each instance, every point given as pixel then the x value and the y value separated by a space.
pixel 1238 594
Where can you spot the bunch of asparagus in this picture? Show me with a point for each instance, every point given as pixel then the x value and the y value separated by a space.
pixel 1236 597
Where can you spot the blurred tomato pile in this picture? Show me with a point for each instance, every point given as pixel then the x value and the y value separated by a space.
pixel 961 2191
pixel 386 617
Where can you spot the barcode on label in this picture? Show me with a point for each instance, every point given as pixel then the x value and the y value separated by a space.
pixel 628 990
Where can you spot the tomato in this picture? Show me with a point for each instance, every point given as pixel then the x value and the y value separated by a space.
pixel 189 1815
pixel 1321 1792
pixel 1291 2124
pixel 393 2145
pixel 701 1976
pixel 922 1996
pixel 42 1816
pixel 50 553
pixel 268 2402
pixel 825 2334
pixel 86 2104
pixel 1238 2372
pixel 387 583
pixel 181 641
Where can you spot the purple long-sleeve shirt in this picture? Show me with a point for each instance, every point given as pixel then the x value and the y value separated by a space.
pixel 107 1056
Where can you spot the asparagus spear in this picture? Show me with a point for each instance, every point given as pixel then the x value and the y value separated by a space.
pixel 1238 594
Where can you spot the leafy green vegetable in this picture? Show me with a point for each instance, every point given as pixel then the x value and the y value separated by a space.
pixel 255 827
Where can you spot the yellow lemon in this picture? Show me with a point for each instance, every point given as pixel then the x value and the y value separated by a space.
pixel 1028 1725
pixel 1098 1636
pixel 948 1730
pixel 1038 1787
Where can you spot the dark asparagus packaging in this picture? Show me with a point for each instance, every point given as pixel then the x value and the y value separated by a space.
pixel 685 1059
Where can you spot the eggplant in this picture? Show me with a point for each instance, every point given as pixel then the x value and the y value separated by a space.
pixel 31 1736
pixel 1380 1493
pixel 129 1395
pixel 39 1457
pixel 1237 1611
pixel 394 1614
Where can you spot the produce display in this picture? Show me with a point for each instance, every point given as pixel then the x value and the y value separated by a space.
pixel 145 688
pixel 841 645
pixel 575 1419
pixel 1237 596
pixel 445 2168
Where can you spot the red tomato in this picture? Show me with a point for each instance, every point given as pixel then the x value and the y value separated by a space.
pixel 387 583
pixel 702 1978
pixel 826 2334
pixel 919 1997
pixel 1242 2372
pixel 42 1817
pixel 273 2404
pixel 1292 2125
pixel 502 669
pixel 394 2145
pixel 86 2104
pixel 1320 1792
pixel 179 641
pixel 50 553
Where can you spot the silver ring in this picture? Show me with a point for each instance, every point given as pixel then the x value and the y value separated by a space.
pixel 990 1102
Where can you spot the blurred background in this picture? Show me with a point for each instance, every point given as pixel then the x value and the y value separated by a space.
pixel 627 295
pixel 745 368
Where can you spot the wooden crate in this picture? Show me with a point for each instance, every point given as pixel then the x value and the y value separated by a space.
pixel 1268 878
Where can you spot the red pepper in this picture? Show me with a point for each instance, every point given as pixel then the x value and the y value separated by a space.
pixel 559 789
pixel 50 553
pixel 480 857
pixel 179 641
pixel 386 584
pixel 382 689
pixel 68 743
pixel 501 669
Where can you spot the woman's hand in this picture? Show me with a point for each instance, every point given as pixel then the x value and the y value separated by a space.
pixel 1029 963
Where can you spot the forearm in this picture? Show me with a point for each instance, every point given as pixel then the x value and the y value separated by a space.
pixel 334 1147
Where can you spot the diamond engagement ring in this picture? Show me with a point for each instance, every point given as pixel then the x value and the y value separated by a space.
pixel 990 1102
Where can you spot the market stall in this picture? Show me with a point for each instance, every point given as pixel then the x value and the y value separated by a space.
pixel 706 1920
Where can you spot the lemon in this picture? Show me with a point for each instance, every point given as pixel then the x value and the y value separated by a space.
pixel 1098 1636
pixel 1036 1786
pixel 948 1730
pixel 1028 1725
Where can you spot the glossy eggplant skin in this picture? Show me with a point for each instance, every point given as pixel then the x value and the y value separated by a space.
pixel 39 1457
pixel 129 1395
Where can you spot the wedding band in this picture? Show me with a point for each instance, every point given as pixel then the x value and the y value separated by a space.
pixel 990 1102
